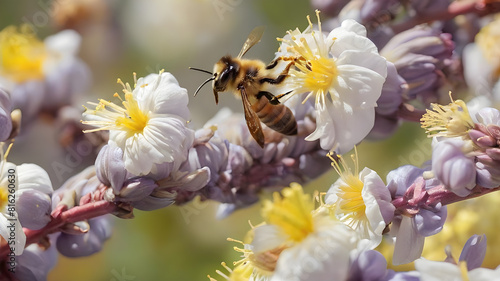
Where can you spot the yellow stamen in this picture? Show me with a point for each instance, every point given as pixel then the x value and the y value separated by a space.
pixel 350 200
pixel 463 270
pixel 316 72
pixel 129 117
pixel 21 54
pixel 292 213
pixel 452 120
pixel 262 264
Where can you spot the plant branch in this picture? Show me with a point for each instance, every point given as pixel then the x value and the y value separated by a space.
pixel 62 216
pixel 456 8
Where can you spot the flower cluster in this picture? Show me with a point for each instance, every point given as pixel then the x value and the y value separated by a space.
pixel 371 67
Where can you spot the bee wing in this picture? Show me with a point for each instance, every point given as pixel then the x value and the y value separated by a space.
pixel 253 121
pixel 253 38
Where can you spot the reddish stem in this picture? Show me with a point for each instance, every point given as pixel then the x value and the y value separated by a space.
pixel 438 194
pixel 456 8
pixel 62 216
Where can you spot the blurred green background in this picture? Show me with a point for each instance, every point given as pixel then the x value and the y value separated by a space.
pixel 144 36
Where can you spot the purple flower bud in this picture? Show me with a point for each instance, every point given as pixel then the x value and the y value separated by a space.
pixel 368 266
pixel 455 170
pixel 474 251
pixel 400 179
pixel 34 208
pixel 420 54
pixel 88 243
pixel 430 222
pixel 151 203
pixel 5 120
pixel 28 97
pixel 475 135
pixel 135 189
pixel 494 131
pixel 493 153
pixel 110 168
pixel 392 92
pixel 35 262
pixel 488 171
pixel 33 203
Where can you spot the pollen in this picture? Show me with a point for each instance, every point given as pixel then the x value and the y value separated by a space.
pixel 291 212
pixel 452 120
pixel 22 54
pixel 350 200
pixel 129 117
pixel 316 72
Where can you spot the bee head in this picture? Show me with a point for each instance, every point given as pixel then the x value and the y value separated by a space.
pixel 225 72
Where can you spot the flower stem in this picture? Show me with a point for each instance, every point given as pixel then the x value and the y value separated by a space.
pixel 438 194
pixel 62 216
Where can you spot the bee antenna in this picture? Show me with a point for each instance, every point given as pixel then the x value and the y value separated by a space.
pixel 201 70
pixel 201 86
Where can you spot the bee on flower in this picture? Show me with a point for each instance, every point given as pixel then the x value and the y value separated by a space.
pixel 343 72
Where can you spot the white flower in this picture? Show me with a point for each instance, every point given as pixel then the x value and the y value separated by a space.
pixel 362 201
pixel 344 72
pixel 436 271
pixel 40 74
pixel 304 242
pixel 150 128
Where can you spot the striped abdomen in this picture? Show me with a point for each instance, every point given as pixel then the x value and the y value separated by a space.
pixel 277 117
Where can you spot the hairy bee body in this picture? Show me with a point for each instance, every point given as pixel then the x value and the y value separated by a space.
pixel 277 117
pixel 247 78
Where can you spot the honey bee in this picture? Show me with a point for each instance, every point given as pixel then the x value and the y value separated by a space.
pixel 247 78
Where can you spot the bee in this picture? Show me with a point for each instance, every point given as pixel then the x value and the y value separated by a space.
pixel 247 78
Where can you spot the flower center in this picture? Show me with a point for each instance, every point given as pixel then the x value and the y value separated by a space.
pixel 21 54
pixel 292 213
pixel 451 120
pixel 135 120
pixel 319 74
pixel 351 202
pixel 316 72
pixel 129 117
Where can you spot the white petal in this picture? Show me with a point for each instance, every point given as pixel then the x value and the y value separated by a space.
pixel 18 234
pixel 409 244
pixel 267 237
pixel 32 176
pixel 322 256
pixel 437 271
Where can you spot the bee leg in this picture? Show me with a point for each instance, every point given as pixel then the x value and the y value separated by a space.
pixel 280 77
pixel 272 64
pixel 275 99
pixel 272 99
